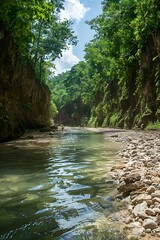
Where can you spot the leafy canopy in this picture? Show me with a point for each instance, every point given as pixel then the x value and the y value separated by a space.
pixel 37 31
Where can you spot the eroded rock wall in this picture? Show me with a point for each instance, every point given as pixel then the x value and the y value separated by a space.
pixel 136 100
pixel 24 102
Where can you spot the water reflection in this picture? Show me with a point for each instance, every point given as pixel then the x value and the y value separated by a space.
pixel 56 192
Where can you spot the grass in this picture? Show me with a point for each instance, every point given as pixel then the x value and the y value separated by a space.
pixel 153 126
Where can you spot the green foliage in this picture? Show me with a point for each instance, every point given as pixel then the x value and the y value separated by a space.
pixel 53 110
pixel 115 58
pixel 92 122
pixel 119 82
pixel 113 120
pixel 37 31
pixel 70 86
pixel 105 122
pixel 153 126
pixel 72 90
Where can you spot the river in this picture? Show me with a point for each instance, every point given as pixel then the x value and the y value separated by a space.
pixel 57 192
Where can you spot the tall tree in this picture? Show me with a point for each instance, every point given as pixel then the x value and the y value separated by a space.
pixel 37 31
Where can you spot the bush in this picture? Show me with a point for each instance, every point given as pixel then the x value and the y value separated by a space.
pixel 92 122
pixel 53 110
pixel 153 125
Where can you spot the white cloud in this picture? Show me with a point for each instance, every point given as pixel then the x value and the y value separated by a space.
pixel 74 10
pixel 67 61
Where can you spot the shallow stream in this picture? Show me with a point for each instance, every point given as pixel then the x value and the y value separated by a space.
pixel 57 192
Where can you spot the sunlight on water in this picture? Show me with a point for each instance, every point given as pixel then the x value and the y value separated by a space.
pixel 57 192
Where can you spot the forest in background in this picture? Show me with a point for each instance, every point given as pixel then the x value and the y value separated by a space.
pixel 118 84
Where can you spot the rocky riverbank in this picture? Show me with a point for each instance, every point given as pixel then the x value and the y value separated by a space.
pixel 137 175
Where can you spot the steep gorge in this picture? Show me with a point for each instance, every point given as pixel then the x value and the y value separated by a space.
pixel 143 89
pixel 24 102
pixel 133 102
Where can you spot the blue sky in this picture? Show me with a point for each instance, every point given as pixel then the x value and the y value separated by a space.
pixel 78 11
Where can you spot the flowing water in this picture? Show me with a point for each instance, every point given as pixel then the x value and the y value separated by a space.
pixel 56 192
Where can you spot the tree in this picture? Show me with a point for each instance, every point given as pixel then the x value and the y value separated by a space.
pixel 37 31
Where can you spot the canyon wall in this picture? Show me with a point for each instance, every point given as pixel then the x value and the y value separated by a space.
pixel 24 102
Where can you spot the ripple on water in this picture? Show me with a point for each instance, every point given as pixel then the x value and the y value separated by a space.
pixel 59 192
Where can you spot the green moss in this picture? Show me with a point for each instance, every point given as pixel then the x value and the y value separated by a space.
pixel 92 122
pixel 53 110
pixel 113 120
pixel 105 122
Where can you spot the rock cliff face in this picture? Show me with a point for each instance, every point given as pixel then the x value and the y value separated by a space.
pixel 24 102
pixel 136 101
pixel 145 87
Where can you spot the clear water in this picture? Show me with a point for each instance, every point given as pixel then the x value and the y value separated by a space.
pixel 57 191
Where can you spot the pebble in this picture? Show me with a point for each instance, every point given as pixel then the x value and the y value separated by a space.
pixel 150 212
pixel 149 224
pixel 151 189
pixel 156 194
pixel 139 182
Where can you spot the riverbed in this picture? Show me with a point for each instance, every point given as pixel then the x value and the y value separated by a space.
pixel 54 187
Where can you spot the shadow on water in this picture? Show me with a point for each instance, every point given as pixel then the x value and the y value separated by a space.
pixel 58 192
